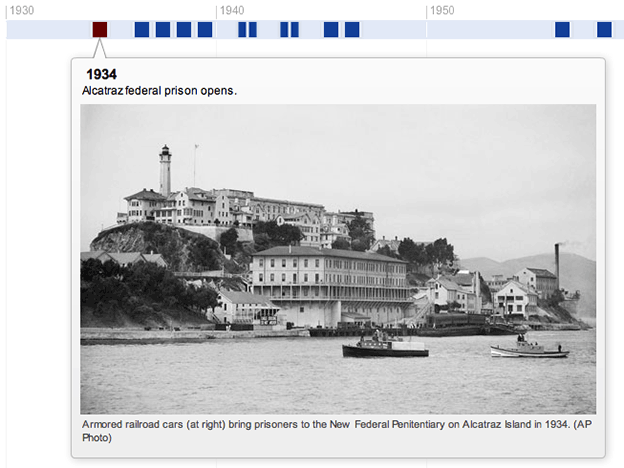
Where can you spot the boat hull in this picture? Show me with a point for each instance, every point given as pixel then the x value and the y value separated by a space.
pixel 503 352
pixel 365 352
pixel 462 330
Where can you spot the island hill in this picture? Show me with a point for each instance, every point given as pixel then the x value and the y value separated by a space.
pixel 199 274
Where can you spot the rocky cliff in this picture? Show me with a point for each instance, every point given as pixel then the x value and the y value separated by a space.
pixel 181 249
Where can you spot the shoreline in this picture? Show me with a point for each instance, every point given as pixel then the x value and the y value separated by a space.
pixel 93 336
pixel 114 336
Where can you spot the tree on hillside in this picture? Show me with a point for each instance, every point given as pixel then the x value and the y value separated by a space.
pixel 341 244
pixel 288 234
pixel 362 236
pixel 387 251
pixel 440 254
pixel 413 253
pixel 228 240
pixel 557 297
pixel 202 298
pixel 91 268
pixel 269 234
pixel 204 254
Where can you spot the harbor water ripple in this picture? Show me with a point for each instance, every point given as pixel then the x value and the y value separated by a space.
pixel 310 376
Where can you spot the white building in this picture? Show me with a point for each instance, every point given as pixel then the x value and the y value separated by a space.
pixel 309 224
pixel 246 308
pixel 516 298
pixel 231 207
pixel 462 288
pixel 540 280
pixel 315 286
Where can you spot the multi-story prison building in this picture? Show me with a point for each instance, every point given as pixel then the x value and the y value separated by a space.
pixel 322 287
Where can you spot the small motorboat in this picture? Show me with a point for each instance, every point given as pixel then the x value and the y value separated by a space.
pixel 525 349
pixel 385 348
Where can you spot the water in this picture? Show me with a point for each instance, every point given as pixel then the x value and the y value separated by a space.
pixel 310 376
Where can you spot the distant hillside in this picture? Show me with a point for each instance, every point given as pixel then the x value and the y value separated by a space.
pixel 577 273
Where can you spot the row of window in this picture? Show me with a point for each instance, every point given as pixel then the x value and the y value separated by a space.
pixel 379 294
pixel 510 298
pixel 294 277
pixel 364 266
pixel 168 213
pixel 138 203
pixel 295 262
pixel 281 209
pixel 342 279
pixel 340 264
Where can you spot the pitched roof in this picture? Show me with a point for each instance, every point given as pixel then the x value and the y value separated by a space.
pixel 146 195
pixel 297 251
pixel 421 277
pixel 392 243
pixel 298 215
pixel 198 194
pixel 93 254
pixel 448 283
pixel 542 273
pixel 285 202
pixel 463 279
pixel 518 285
pixel 126 258
pixel 238 297
pixel 154 258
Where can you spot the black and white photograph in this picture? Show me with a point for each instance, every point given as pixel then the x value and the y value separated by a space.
pixel 338 259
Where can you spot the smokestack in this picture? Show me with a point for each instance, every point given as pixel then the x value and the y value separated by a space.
pixel 557 265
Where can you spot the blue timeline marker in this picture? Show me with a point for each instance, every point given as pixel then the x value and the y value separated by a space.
pixel 183 29
pixel 562 29
pixel 330 29
pixel 204 29
pixel 352 29
pixel 163 29
pixel 253 29
pixel 141 29
pixel 294 29
pixel 604 29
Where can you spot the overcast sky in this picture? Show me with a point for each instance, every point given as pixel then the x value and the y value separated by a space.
pixel 497 181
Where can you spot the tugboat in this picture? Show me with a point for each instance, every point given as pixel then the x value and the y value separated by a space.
pixel 526 349
pixel 383 346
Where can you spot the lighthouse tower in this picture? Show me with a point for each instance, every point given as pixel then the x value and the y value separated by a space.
pixel 165 171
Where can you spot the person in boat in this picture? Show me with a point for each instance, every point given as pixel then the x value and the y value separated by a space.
pixel 559 348
pixel 361 342
pixel 520 338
